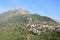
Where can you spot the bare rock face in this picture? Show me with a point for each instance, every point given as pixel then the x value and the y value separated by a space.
pixel 13 12
pixel 22 11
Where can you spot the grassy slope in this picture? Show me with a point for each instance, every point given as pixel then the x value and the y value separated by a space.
pixel 9 31
pixel 12 33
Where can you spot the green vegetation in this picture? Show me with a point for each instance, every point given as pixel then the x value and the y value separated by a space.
pixel 9 30
pixel 12 33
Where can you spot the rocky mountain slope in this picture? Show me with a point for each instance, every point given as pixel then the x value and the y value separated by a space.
pixel 20 24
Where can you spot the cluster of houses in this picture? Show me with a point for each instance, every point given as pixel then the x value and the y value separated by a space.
pixel 57 28
pixel 38 28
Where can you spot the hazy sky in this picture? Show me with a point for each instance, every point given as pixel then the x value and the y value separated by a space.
pixel 49 8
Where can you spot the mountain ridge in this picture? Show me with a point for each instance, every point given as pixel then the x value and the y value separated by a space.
pixel 26 26
pixel 21 11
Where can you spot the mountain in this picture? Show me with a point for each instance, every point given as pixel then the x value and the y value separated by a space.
pixel 13 12
pixel 23 11
pixel 14 25
pixel 58 21
pixel 22 15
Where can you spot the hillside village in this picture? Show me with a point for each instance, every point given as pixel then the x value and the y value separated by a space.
pixel 39 27
pixel 20 24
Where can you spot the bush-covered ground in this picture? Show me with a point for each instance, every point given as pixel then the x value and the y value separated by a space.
pixel 9 30
pixel 14 33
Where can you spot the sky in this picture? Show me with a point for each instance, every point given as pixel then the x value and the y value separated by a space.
pixel 50 8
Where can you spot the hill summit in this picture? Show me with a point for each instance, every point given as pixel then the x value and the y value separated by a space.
pixel 20 10
pixel 15 11
pixel 20 24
